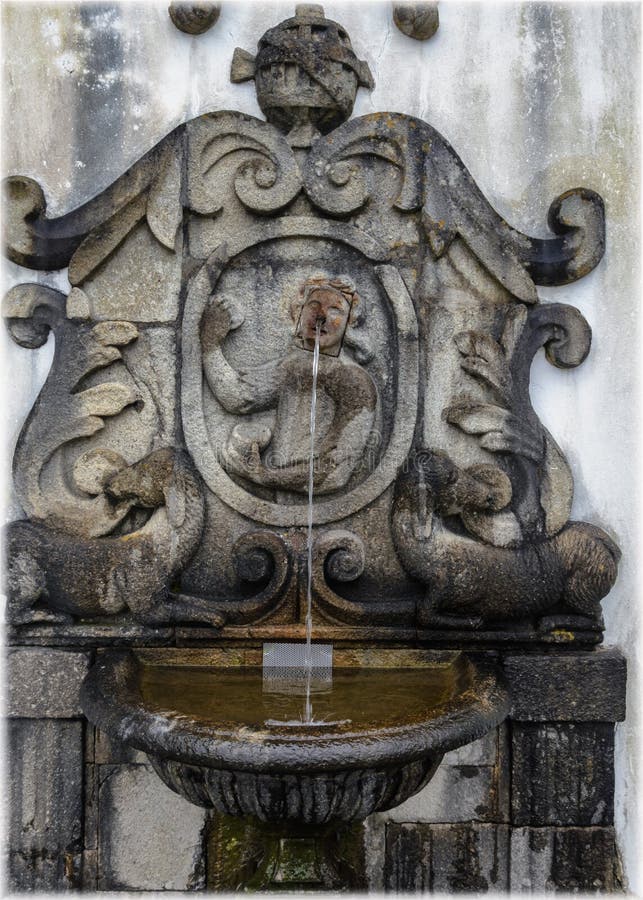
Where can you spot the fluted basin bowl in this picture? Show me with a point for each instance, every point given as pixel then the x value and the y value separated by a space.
pixel 217 737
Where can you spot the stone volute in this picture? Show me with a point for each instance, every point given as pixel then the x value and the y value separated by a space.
pixel 164 469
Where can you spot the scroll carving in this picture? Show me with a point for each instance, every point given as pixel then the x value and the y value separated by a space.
pixel 69 409
pixel 340 556
pixel 150 187
pixel 435 180
pixel 163 469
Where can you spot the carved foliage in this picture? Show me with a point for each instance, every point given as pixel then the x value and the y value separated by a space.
pixel 486 539
pixel 507 424
pixel 68 410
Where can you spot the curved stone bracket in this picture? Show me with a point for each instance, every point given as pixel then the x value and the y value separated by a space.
pixel 435 180
pixel 340 555
pixel 152 185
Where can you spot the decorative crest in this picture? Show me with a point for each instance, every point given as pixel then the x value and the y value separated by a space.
pixel 163 471
pixel 306 74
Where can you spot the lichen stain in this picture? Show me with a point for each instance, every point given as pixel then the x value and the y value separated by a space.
pixel 561 636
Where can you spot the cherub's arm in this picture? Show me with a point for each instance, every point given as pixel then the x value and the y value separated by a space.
pixel 343 446
pixel 237 391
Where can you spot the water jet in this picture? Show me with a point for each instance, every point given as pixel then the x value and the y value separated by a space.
pixel 285 482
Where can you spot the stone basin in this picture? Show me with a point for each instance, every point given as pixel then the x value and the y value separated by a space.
pixel 217 738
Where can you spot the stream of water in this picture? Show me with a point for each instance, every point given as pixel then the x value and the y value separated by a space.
pixel 308 659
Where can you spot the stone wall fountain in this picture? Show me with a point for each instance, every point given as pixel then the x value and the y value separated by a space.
pixel 178 517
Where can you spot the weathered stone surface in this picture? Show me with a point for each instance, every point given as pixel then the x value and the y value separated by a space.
pixel 483 752
pixel 453 498
pixel 576 686
pixel 375 852
pixel 140 283
pixel 89 871
pixel 468 786
pixel 44 634
pixel 407 860
pixel 469 858
pixel 562 773
pixel 46 787
pixel 149 838
pixel 325 93
pixel 446 858
pixel 573 860
pixel 41 873
pixel 417 20
pixel 90 577
pixel 45 683
pixel 489 521
pixel 194 18
pixel 454 794
pixel 110 751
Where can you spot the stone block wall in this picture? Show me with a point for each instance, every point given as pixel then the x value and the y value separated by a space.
pixel 527 808
pixel 85 813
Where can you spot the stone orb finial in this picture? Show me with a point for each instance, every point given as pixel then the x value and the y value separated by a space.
pixel 419 21
pixel 306 74
pixel 194 18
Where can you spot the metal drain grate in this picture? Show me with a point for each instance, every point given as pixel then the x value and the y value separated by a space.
pixel 285 671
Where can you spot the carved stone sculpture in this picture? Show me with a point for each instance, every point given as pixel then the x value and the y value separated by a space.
pixel 194 18
pixel 163 470
pixel 419 21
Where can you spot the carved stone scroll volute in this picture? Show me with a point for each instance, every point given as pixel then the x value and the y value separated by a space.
pixel 168 447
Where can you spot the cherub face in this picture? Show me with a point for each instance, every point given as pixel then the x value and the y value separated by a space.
pixel 331 310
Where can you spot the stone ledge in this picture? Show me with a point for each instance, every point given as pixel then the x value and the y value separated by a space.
pixel 86 634
pixel 45 683
pixel 574 686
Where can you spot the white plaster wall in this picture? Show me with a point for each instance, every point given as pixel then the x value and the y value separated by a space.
pixel 536 98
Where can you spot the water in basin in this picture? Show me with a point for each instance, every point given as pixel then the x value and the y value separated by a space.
pixel 359 696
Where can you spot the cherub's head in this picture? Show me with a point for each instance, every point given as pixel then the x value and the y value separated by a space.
pixel 331 303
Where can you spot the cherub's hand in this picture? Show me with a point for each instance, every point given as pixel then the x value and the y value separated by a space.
pixel 218 320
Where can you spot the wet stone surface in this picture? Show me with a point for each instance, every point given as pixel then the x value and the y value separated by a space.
pixel 562 773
